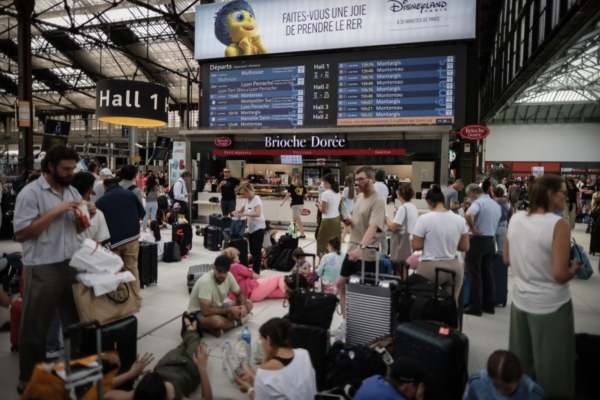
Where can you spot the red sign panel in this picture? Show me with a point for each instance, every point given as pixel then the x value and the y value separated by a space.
pixel 223 141
pixel 475 132
pixel 305 212
pixel 316 152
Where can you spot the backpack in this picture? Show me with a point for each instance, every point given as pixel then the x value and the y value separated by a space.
pixel 171 192
pixel 352 364
pixel 163 202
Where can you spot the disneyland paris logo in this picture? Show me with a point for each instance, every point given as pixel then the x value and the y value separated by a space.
pixel 409 5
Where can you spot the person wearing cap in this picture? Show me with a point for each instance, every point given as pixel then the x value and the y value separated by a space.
pixel 405 382
pixel 208 300
pixel 105 173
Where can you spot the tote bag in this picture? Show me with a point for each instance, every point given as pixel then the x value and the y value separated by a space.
pixel 400 245
pixel 107 308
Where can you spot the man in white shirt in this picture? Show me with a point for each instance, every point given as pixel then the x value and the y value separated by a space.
pixel 180 194
pixel 98 230
pixel 384 191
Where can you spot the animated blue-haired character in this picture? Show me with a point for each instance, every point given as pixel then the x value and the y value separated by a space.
pixel 235 27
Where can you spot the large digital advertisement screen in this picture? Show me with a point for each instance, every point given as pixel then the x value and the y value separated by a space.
pixel 396 87
pixel 258 27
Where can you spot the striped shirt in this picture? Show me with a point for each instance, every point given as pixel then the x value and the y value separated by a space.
pixel 59 241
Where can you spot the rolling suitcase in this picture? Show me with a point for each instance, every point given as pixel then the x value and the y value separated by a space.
pixel 148 264
pixel 443 353
pixel 15 323
pixel 371 304
pixel 213 219
pixel 242 246
pixel 195 272
pixel 182 234
pixel 500 272
pixel 287 242
pixel 313 339
pixel 213 238
pixel 120 336
pixel 171 253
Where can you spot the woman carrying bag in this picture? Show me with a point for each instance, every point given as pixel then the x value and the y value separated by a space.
pixel 402 228
pixel 252 209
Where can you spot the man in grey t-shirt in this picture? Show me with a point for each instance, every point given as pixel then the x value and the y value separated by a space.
pixel 451 195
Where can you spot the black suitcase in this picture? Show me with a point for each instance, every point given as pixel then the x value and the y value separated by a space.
pixel 148 264
pixel 172 253
pixel 371 304
pixel 7 230
pixel 120 336
pixel 595 238
pixel 182 234
pixel 443 353
pixel 242 246
pixel 195 272
pixel 213 238
pixel 500 272
pixel 287 242
pixel 313 339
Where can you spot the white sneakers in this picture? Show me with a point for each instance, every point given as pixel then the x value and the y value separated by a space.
pixel 233 365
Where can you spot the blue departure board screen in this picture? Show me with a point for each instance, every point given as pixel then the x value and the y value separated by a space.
pixel 396 87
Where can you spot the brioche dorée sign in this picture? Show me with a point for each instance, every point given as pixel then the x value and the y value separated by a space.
pixel 474 132
pixel 223 141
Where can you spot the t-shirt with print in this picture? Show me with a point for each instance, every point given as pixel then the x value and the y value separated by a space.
pixel 367 211
pixel 331 266
pixel 98 230
pixel 254 223
pixel 442 232
pixel 407 221
pixel 206 288
pixel 228 190
pixel 333 203
pixel 297 194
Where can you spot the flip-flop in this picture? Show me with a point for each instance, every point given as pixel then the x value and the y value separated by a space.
pixel 184 324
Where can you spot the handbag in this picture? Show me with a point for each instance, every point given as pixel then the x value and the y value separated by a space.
pixel 578 253
pixel 94 258
pixel 400 246
pixel 237 229
pixel 107 308
pixel 312 308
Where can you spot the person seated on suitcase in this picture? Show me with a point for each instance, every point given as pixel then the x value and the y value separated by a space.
pixel 155 237
pixel 503 379
pixel 331 265
pixel 301 263
pixel 285 374
pixel 405 382
pixel 251 284
pixel 208 300
pixel 169 382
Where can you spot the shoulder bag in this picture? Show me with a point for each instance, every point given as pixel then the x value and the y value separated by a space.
pixel 400 247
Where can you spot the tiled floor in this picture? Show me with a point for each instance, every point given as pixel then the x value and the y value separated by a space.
pixel 159 323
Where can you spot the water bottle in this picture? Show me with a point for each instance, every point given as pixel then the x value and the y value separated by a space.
pixel 339 334
pixel 247 337
pixel 226 346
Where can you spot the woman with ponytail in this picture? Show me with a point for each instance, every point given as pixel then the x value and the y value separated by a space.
pixel 155 237
pixel 440 234
pixel 286 373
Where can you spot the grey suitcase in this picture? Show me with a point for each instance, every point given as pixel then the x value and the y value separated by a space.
pixel 371 304
pixel 195 272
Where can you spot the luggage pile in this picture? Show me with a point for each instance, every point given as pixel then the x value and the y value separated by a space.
pixel 281 259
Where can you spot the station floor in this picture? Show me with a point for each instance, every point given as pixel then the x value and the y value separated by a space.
pixel 159 319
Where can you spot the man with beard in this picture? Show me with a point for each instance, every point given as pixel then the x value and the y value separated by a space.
pixel 207 300
pixel 368 221
pixel 122 211
pixel 46 224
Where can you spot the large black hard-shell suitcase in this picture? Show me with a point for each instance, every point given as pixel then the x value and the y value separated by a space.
pixel 500 272
pixel 443 352
pixel 213 238
pixel 182 234
pixel 314 340
pixel 148 264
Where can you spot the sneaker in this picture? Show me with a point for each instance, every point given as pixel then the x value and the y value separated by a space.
pixel 258 352
pixel 216 332
pixel 247 318
pixel 243 351
pixel 302 237
pixel 231 364
pixel 52 354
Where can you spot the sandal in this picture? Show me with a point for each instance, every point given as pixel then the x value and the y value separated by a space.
pixel 184 324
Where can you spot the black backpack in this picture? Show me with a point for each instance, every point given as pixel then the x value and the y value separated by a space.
pixel 171 193
pixel 281 259
pixel 351 365
pixel 163 202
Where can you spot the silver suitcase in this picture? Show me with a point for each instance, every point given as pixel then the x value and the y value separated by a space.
pixel 195 272
pixel 371 304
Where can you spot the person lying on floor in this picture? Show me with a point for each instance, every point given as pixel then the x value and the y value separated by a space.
pixel 503 379
pixel 285 374
pixel 177 374
pixel 207 300
pixel 251 284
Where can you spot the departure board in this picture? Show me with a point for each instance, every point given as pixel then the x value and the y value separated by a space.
pixel 396 87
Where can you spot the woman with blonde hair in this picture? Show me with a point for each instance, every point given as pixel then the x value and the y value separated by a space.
pixel 252 209
pixel 348 196
pixel 297 191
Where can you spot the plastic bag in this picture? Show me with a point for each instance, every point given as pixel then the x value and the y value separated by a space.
pixel 105 283
pixel 94 258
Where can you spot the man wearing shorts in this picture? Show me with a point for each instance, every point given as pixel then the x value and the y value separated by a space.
pixel 227 188
pixel 368 220
pixel 207 300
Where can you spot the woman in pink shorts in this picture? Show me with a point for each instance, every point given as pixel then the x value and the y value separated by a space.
pixel 251 284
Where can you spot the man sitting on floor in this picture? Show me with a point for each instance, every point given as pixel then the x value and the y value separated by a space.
pixel 208 296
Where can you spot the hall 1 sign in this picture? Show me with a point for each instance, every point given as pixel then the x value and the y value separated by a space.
pixel 474 132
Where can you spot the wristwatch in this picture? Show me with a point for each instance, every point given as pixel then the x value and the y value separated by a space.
pixel 361 246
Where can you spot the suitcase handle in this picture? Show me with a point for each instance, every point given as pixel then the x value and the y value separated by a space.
pixel 362 269
pixel 67 341
pixel 447 271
